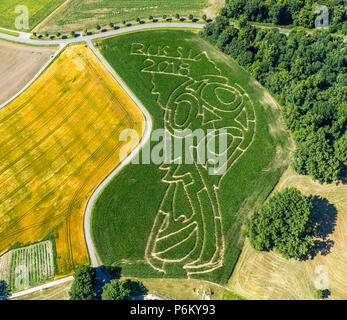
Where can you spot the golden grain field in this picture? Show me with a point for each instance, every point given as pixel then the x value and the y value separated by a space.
pixel 59 141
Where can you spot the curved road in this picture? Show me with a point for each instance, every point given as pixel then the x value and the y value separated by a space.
pixel 25 39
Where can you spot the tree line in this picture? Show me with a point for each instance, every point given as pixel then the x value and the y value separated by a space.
pixel 86 287
pixel 307 75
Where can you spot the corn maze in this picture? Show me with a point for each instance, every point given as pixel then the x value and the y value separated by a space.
pixel 27 266
pixel 188 230
pixel 182 216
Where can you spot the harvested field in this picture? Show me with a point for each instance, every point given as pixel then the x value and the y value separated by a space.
pixel 60 139
pixel 170 289
pixel 262 275
pixel 18 64
pixel 27 266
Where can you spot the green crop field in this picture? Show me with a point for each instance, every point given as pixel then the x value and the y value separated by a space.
pixel 178 220
pixel 78 14
pixel 37 9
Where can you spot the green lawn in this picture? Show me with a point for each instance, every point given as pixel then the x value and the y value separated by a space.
pixel 79 14
pixel 11 33
pixel 188 226
pixel 38 10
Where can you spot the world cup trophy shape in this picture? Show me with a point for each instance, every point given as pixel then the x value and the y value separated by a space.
pixel 214 121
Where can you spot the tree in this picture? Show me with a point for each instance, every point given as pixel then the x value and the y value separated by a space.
pixel 278 14
pixel 306 17
pixel 224 39
pixel 111 24
pixel 151 17
pixel 34 34
pixel 58 34
pixel 98 27
pixel 73 34
pixel 315 156
pixel 123 290
pixel 191 17
pixel 243 22
pixel 115 290
pixel 4 292
pixel 164 16
pixel 177 16
pixel 204 17
pixel 341 149
pixel 83 287
pixel 138 19
pixel 85 31
pixel 285 222
pixel 136 288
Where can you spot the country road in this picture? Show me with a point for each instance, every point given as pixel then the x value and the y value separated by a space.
pixel 23 38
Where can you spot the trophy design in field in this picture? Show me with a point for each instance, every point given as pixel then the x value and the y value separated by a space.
pixel 218 120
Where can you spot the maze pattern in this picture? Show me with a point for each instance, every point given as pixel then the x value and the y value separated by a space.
pixel 190 88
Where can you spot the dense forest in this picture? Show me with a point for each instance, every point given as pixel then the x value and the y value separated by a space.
pixel 307 75
pixel 289 12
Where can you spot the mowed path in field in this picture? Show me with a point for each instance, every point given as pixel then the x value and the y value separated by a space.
pixel 267 275
pixel 59 141
pixel 18 64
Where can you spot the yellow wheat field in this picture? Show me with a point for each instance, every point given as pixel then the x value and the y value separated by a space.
pixel 59 141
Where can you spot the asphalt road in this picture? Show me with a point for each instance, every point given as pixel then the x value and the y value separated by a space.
pixel 24 38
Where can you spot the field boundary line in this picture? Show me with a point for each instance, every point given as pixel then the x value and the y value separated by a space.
pixel 50 15
pixel 145 137
pixel 45 66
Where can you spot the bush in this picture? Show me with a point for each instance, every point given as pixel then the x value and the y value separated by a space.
pixel 4 292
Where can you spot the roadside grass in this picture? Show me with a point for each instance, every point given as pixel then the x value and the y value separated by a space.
pixel 79 14
pixel 186 289
pixel 59 292
pixel 124 214
pixel 38 10
pixel 62 35
pixel 171 289
pixel 10 33
pixel 59 142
